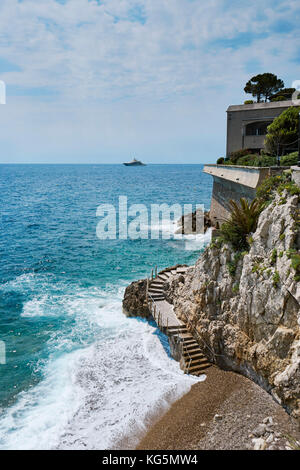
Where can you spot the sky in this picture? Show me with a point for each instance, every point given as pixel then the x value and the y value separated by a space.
pixel 101 81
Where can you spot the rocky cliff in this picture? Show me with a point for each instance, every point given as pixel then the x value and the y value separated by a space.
pixel 244 308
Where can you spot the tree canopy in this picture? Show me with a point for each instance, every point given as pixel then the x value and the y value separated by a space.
pixel 284 94
pixel 264 86
pixel 283 132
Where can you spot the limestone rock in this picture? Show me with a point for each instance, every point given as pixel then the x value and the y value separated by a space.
pixel 259 444
pixel 249 319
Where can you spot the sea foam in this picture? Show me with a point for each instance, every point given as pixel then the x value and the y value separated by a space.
pixel 97 396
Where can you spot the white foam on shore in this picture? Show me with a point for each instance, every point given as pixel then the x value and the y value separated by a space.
pixel 97 395
pixel 197 242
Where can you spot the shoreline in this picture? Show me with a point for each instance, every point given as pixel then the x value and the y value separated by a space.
pixel 222 413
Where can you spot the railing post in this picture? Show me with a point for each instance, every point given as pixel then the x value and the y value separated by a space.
pixel 147 288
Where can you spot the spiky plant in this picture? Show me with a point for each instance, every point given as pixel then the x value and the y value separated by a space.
pixel 242 221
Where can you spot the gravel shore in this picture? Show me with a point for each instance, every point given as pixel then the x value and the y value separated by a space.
pixel 227 411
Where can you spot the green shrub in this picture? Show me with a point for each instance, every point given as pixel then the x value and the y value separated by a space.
pixel 235 289
pixel 289 160
pixel 276 279
pixel 232 265
pixel 265 191
pixel 247 160
pixel 295 262
pixel 291 187
pixel 220 161
pixel 248 102
pixel 243 221
pixel 256 160
pixel 250 240
pixel 255 268
pixel 234 156
pixel 278 98
pixel 290 252
pixel 274 256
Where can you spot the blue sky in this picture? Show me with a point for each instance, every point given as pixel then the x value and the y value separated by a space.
pixel 102 81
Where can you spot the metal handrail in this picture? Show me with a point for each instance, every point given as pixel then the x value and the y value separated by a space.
pixel 153 312
pixel 201 339
pixel 195 332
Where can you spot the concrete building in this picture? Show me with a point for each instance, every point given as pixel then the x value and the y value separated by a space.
pixel 246 129
pixel 247 124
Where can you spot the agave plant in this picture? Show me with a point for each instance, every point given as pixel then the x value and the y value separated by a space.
pixel 242 221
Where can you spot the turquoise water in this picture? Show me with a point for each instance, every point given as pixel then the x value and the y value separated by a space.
pixel 78 373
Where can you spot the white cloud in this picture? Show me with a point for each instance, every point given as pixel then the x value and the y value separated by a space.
pixel 101 59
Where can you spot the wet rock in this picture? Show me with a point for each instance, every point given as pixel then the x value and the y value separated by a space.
pixel 195 222
pixel 134 301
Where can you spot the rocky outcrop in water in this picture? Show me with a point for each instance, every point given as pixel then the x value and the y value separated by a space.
pixel 134 301
pixel 245 307
pixel 194 223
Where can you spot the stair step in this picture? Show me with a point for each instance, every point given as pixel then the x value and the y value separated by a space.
pixel 197 362
pixel 153 291
pixel 182 270
pixel 174 271
pixel 186 336
pixel 193 351
pixel 163 277
pixel 198 368
pixel 196 355
pixel 191 346
pixel 201 372
pixel 156 284
pixel 178 327
pixel 189 340
pixel 174 333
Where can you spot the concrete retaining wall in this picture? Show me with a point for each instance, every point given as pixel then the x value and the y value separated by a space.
pixel 234 182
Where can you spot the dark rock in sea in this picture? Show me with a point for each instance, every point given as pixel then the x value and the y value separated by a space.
pixel 194 223
pixel 134 301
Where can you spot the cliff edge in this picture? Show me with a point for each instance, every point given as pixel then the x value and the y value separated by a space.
pixel 244 308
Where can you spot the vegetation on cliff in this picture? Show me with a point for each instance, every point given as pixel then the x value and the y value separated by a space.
pixel 243 221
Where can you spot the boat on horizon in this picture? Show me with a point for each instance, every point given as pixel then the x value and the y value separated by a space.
pixel 134 162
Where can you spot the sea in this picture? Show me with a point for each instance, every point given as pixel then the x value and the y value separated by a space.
pixel 77 373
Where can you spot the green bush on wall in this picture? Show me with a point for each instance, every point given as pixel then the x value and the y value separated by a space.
pixel 235 156
pixel 289 160
pixel 256 160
